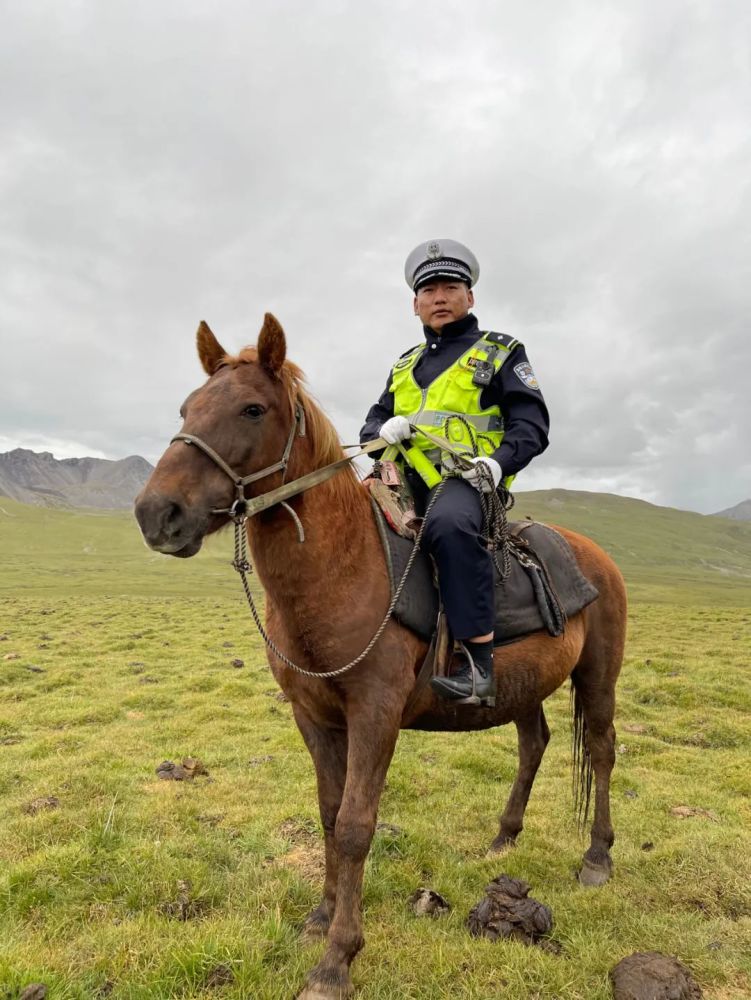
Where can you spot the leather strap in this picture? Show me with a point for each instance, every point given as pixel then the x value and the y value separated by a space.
pixel 435 663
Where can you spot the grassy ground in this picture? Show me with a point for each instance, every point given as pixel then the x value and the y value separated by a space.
pixel 114 883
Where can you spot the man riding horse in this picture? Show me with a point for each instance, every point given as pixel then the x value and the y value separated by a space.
pixel 483 384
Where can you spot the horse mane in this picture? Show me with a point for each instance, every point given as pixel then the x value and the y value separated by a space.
pixel 323 438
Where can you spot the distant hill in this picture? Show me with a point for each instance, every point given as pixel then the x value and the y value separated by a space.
pixel 40 478
pixel 741 511
pixel 653 546
pixel 665 555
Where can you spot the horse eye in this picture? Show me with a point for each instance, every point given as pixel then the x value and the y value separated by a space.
pixel 254 411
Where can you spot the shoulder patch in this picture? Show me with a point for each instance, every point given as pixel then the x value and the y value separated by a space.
pixel 409 351
pixel 500 338
pixel 525 373
pixel 406 359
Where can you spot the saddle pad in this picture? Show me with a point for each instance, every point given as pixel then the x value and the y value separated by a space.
pixel 516 611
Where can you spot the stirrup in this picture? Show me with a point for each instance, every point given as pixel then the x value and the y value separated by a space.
pixel 474 699
pixel 487 701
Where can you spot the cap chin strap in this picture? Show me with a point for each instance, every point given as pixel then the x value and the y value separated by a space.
pixel 238 508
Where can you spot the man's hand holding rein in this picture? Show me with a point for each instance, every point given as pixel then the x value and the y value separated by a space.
pixel 485 474
pixel 396 429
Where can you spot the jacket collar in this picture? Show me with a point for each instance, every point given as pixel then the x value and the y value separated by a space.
pixel 452 330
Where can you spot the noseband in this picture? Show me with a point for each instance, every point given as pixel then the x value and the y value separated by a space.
pixel 239 507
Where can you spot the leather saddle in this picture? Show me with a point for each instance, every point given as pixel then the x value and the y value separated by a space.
pixel 543 589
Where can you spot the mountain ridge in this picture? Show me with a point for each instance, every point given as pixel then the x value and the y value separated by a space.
pixel 37 477
pixel 40 479
pixel 739 512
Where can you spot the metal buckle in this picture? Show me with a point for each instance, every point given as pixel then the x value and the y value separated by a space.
pixel 238 509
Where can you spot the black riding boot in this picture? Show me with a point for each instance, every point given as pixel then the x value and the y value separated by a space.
pixel 474 682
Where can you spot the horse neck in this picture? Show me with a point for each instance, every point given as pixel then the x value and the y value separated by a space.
pixel 341 544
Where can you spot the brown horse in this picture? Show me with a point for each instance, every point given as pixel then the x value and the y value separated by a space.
pixel 324 601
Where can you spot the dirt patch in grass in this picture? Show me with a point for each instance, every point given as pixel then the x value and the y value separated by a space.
pixel 308 860
pixel 185 906
pixel 42 804
pixel 299 830
pixel 740 990
pixel 257 761
pixel 687 812
pixel 35 991
pixel 210 819
pixel 307 855
pixel 220 975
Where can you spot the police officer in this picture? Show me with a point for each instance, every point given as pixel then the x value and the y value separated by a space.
pixel 484 384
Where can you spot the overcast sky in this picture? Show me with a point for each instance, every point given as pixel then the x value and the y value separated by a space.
pixel 166 162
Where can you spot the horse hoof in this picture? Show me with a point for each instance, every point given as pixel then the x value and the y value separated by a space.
pixel 321 993
pixel 592 876
pixel 500 845
pixel 313 931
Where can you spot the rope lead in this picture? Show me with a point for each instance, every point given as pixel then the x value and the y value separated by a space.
pixel 243 567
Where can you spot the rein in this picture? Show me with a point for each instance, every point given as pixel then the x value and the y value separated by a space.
pixel 243 567
pixel 243 508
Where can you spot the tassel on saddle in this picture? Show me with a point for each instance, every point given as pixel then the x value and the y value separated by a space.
pixel 548 603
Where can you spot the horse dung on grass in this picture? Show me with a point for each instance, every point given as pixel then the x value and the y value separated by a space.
pixel 254 426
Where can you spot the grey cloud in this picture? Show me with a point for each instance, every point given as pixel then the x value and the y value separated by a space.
pixel 166 164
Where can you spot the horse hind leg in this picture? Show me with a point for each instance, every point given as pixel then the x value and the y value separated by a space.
pixel 533 735
pixel 594 757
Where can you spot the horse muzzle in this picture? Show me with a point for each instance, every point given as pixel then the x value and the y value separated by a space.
pixel 168 526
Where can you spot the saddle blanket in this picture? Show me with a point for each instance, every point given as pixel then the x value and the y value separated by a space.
pixel 522 604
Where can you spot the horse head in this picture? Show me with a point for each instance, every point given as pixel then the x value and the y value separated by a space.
pixel 245 413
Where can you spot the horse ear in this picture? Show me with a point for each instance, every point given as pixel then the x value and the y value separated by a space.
pixel 272 345
pixel 210 351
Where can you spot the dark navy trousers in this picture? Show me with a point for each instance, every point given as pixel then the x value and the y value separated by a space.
pixel 453 536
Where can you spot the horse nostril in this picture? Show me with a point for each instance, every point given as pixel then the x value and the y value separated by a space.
pixel 173 517
pixel 173 514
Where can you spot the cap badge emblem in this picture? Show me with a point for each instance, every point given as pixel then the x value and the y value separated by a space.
pixel 433 251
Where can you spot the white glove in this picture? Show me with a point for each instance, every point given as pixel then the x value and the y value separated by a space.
pixel 479 481
pixel 396 429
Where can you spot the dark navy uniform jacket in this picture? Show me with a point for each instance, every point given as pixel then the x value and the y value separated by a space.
pixel 525 416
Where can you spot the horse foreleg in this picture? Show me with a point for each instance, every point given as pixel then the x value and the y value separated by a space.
pixel 328 748
pixel 533 736
pixel 371 742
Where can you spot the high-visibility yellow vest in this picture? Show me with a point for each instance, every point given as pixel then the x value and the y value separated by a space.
pixel 453 395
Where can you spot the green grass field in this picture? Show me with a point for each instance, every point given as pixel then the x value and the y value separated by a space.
pixel 117 884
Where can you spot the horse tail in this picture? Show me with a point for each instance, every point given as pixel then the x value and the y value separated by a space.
pixel 581 765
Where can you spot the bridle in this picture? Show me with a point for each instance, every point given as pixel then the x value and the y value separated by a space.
pixel 243 508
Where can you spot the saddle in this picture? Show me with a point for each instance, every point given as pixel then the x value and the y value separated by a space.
pixel 543 589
